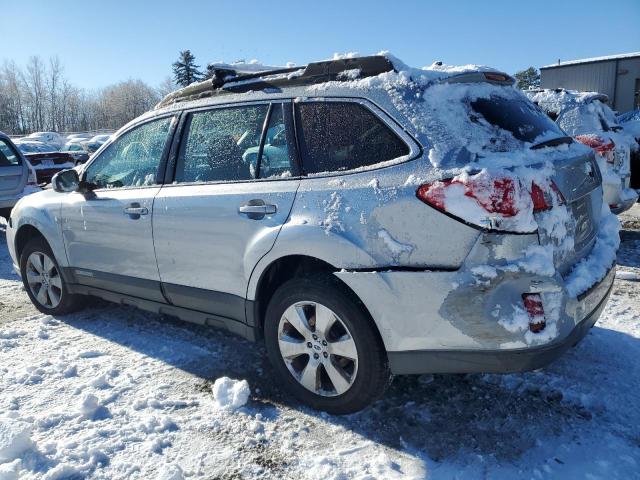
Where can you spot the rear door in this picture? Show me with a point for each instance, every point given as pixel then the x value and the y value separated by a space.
pixel 234 185
pixel 107 233
pixel 14 172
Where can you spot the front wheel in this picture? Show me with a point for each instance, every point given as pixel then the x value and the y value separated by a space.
pixel 43 281
pixel 323 345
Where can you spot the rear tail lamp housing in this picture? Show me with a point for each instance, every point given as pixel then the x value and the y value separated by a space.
pixel 491 202
pixel 603 147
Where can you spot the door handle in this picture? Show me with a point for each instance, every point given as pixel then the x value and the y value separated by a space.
pixel 263 209
pixel 135 210
pixel 257 209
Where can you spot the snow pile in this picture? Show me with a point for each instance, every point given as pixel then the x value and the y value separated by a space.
pixel 626 275
pixel 171 472
pixel 230 394
pixel 10 470
pixel 91 408
pixel 15 439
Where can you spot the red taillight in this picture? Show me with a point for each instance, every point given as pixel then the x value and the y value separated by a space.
pixel 537 195
pixel 599 144
pixel 535 310
pixel 496 77
pixel 544 199
pixel 491 202
pixel 495 195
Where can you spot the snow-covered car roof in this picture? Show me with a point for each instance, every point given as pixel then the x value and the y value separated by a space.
pixel 577 113
pixel 437 104
pixel 557 99
pixel 631 116
pixel 341 68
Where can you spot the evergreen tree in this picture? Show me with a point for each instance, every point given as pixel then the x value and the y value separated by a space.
pixel 185 70
pixel 529 78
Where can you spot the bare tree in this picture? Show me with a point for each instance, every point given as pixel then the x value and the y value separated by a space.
pixel 40 97
pixel 54 78
pixel 166 87
pixel 12 114
pixel 34 80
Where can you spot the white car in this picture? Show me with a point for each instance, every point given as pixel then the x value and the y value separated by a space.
pixel 76 137
pixel 51 138
pixel 586 117
pixel 33 146
pixel 17 176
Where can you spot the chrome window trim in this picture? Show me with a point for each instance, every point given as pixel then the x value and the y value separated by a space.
pixel 225 105
pixel 116 136
pixel 415 150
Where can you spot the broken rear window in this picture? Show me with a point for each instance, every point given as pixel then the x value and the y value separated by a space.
pixel 521 118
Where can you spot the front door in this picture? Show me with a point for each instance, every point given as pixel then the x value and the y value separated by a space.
pixel 13 172
pixel 107 233
pixel 234 187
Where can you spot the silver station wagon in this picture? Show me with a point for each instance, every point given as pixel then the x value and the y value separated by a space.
pixel 360 217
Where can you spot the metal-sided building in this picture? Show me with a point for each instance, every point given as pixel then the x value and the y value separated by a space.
pixel 618 76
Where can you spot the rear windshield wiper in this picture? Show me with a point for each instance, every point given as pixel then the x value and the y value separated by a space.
pixel 553 142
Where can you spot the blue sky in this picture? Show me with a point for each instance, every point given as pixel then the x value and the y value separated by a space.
pixel 102 43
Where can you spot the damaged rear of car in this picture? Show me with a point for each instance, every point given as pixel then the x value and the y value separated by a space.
pixel 518 207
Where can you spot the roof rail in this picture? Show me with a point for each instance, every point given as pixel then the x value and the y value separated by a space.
pixel 228 80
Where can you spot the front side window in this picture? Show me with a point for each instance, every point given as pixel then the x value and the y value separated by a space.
pixel 8 156
pixel 341 136
pixel 221 145
pixel 132 160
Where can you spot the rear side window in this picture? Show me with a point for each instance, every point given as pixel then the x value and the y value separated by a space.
pixel 339 136
pixel 8 156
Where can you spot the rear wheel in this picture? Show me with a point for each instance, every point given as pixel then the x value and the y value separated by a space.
pixel 43 281
pixel 322 344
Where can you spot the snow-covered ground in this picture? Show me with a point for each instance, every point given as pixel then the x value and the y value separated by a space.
pixel 112 392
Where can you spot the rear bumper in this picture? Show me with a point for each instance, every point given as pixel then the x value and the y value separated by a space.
pixel 498 361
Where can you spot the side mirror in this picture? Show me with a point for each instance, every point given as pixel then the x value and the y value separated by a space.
pixel 66 181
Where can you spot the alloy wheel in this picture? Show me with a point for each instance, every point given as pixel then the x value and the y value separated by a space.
pixel 318 348
pixel 44 280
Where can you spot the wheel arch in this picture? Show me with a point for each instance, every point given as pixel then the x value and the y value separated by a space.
pixel 24 234
pixel 285 268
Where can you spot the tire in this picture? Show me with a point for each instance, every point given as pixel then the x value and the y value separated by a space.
pixel 55 300
pixel 297 301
